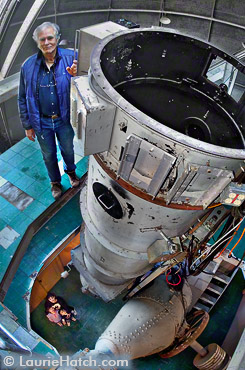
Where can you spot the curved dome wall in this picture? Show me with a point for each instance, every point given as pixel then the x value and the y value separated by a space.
pixel 213 21
pixel 220 22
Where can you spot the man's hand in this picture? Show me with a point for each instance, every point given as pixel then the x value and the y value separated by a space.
pixel 30 134
pixel 73 69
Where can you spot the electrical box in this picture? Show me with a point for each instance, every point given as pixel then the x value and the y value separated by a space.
pixel 233 195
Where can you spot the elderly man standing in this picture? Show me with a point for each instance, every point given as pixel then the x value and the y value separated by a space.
pixel 44 103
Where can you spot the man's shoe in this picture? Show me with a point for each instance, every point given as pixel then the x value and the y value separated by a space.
pixel 56 190
pixel 74 180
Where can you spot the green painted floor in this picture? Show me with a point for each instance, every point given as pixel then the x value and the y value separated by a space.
pixel 94 316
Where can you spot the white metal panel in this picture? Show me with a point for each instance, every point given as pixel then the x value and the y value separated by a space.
pixel 145 165
pixel 94 119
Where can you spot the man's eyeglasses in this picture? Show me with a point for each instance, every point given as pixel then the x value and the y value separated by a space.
pixel 51 83
pixel 49 38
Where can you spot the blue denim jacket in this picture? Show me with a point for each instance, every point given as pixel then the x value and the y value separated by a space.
pixel 28 101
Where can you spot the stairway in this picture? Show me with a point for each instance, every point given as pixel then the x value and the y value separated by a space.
pixel 218 284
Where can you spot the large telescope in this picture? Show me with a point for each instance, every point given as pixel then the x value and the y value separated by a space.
pixel 164 128
pixel 166 141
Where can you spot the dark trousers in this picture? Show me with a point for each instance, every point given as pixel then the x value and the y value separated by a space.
pixel 51 129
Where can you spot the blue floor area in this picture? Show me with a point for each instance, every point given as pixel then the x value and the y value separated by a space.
pixel 22 166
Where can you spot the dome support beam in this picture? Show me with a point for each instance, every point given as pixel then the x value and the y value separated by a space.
pixel 21 35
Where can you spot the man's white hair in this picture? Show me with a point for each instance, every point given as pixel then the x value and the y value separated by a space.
pixel 39 29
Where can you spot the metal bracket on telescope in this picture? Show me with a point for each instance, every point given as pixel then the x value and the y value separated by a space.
pixel 145 165
pixel 129 157
pixel 163 250
pixel 210 182
pixel 181 183
pixel 161 174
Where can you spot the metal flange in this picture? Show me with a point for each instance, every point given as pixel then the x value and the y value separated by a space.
pixel 199 317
